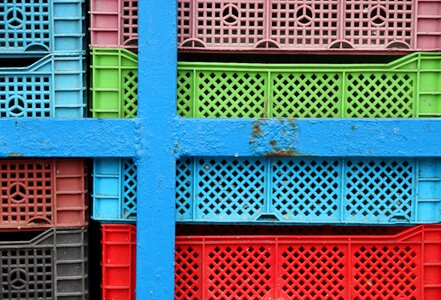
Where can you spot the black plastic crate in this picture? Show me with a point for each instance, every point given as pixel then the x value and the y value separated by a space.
pixel 44 265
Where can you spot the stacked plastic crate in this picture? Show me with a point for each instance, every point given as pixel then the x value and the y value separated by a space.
pixel 223 260
pixel 114 83
pixel 43 227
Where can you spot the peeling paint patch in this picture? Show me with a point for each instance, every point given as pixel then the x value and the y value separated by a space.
pixel 286 152
pixel 14 154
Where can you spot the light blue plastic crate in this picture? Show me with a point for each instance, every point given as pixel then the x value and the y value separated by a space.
pixel 309 190
pixel 42 26
pixel 54 86
pixel 114 190
pixel 284 190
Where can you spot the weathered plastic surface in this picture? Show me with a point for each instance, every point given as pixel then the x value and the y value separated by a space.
pixel 50 265
pixel 114 24
pixel 114 190
pixel 118 262
pixel 405 88
pixel 309 190
pixel 114 83
pixel 35 27
pixel 42 193
pixel 406 265
pixel 54 86
pixel 348 26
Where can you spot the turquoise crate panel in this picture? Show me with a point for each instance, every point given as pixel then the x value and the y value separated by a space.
pixel 309 190
pixel 54 86
pixel 284 190
pixel 42 26
pixel 114 190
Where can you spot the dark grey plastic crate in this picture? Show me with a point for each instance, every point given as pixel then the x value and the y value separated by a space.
pixel 48 265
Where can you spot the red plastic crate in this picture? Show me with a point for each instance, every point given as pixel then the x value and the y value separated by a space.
pixel 114 23
pixel 306 25
pixel 118 261
pixel 42 193
pixel 357 263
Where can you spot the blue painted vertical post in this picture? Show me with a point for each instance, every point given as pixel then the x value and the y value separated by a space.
pixel 156 162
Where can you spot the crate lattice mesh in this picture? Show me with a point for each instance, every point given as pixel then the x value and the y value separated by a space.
pixel 26 192
pixel 129 20
pixel 310 189
pixel 129 189
pixel 26 274
pixel 25 96
pixel 25 24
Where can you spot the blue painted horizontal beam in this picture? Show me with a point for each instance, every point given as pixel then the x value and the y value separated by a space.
pixel 308 137
pixel 67 138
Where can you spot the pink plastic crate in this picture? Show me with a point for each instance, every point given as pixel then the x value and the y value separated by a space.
pixel 114 23
pixel 306 25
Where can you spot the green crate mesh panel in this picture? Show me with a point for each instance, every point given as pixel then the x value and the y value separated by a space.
pixel 130 94
pixel 407 87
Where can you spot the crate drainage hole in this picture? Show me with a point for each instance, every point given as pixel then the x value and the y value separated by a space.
pixel 378 15
pixel 304 15
pixel 18 192
pixel 16 106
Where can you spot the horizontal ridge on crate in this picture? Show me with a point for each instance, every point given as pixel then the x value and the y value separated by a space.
pixel 114 24
pixel 297 190
pixel 42 26
pixel 53 86
pixel 118 263
pixel 400 263
pixel 114 83
pixel 407 87
pixel 348 26
pixel 114 190
pixel 49 265
pixel 42 193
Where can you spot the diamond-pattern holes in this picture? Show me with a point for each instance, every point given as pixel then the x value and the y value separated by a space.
pixel 386 95
pixel 386 272
pixel 379 189
pixel 228 187
pixel 313 271
pixel 188 272
pixel 130 87
pixel 305 188
pixel 184 188
pixel 306 95
pixel 130 183
pixel 231 95
pixel 185 94
pixel 240 272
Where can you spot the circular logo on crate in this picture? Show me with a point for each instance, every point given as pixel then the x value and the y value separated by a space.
pixel 230 14
pixel 18 191
pixel 14 17
pixel 378 15
pixel 304 15
pixel 18 279
pixel 16 106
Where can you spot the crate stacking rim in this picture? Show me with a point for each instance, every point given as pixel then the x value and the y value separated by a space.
pixel 53 86
pixel 403 265
pixel 114 24
pixel 35 27
pixel 42 193
pixel 52 265
pixel 405 88
pixel 114 83
pixel 347 26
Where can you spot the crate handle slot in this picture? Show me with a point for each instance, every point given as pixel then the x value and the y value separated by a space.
pixel 399 218
pixel 267 44
pixel 398 45
pixel 340 44
pixel 37 47
pixel 193 43
pixel 268 217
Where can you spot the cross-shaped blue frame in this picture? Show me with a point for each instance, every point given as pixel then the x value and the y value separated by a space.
pixel 158 137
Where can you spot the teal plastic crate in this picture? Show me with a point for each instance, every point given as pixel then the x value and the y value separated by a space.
pixel 54 86
pixel 42 26
pixel 114 190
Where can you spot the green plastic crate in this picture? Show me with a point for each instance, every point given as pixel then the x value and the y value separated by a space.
pixel 114 86
pixel 405 88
